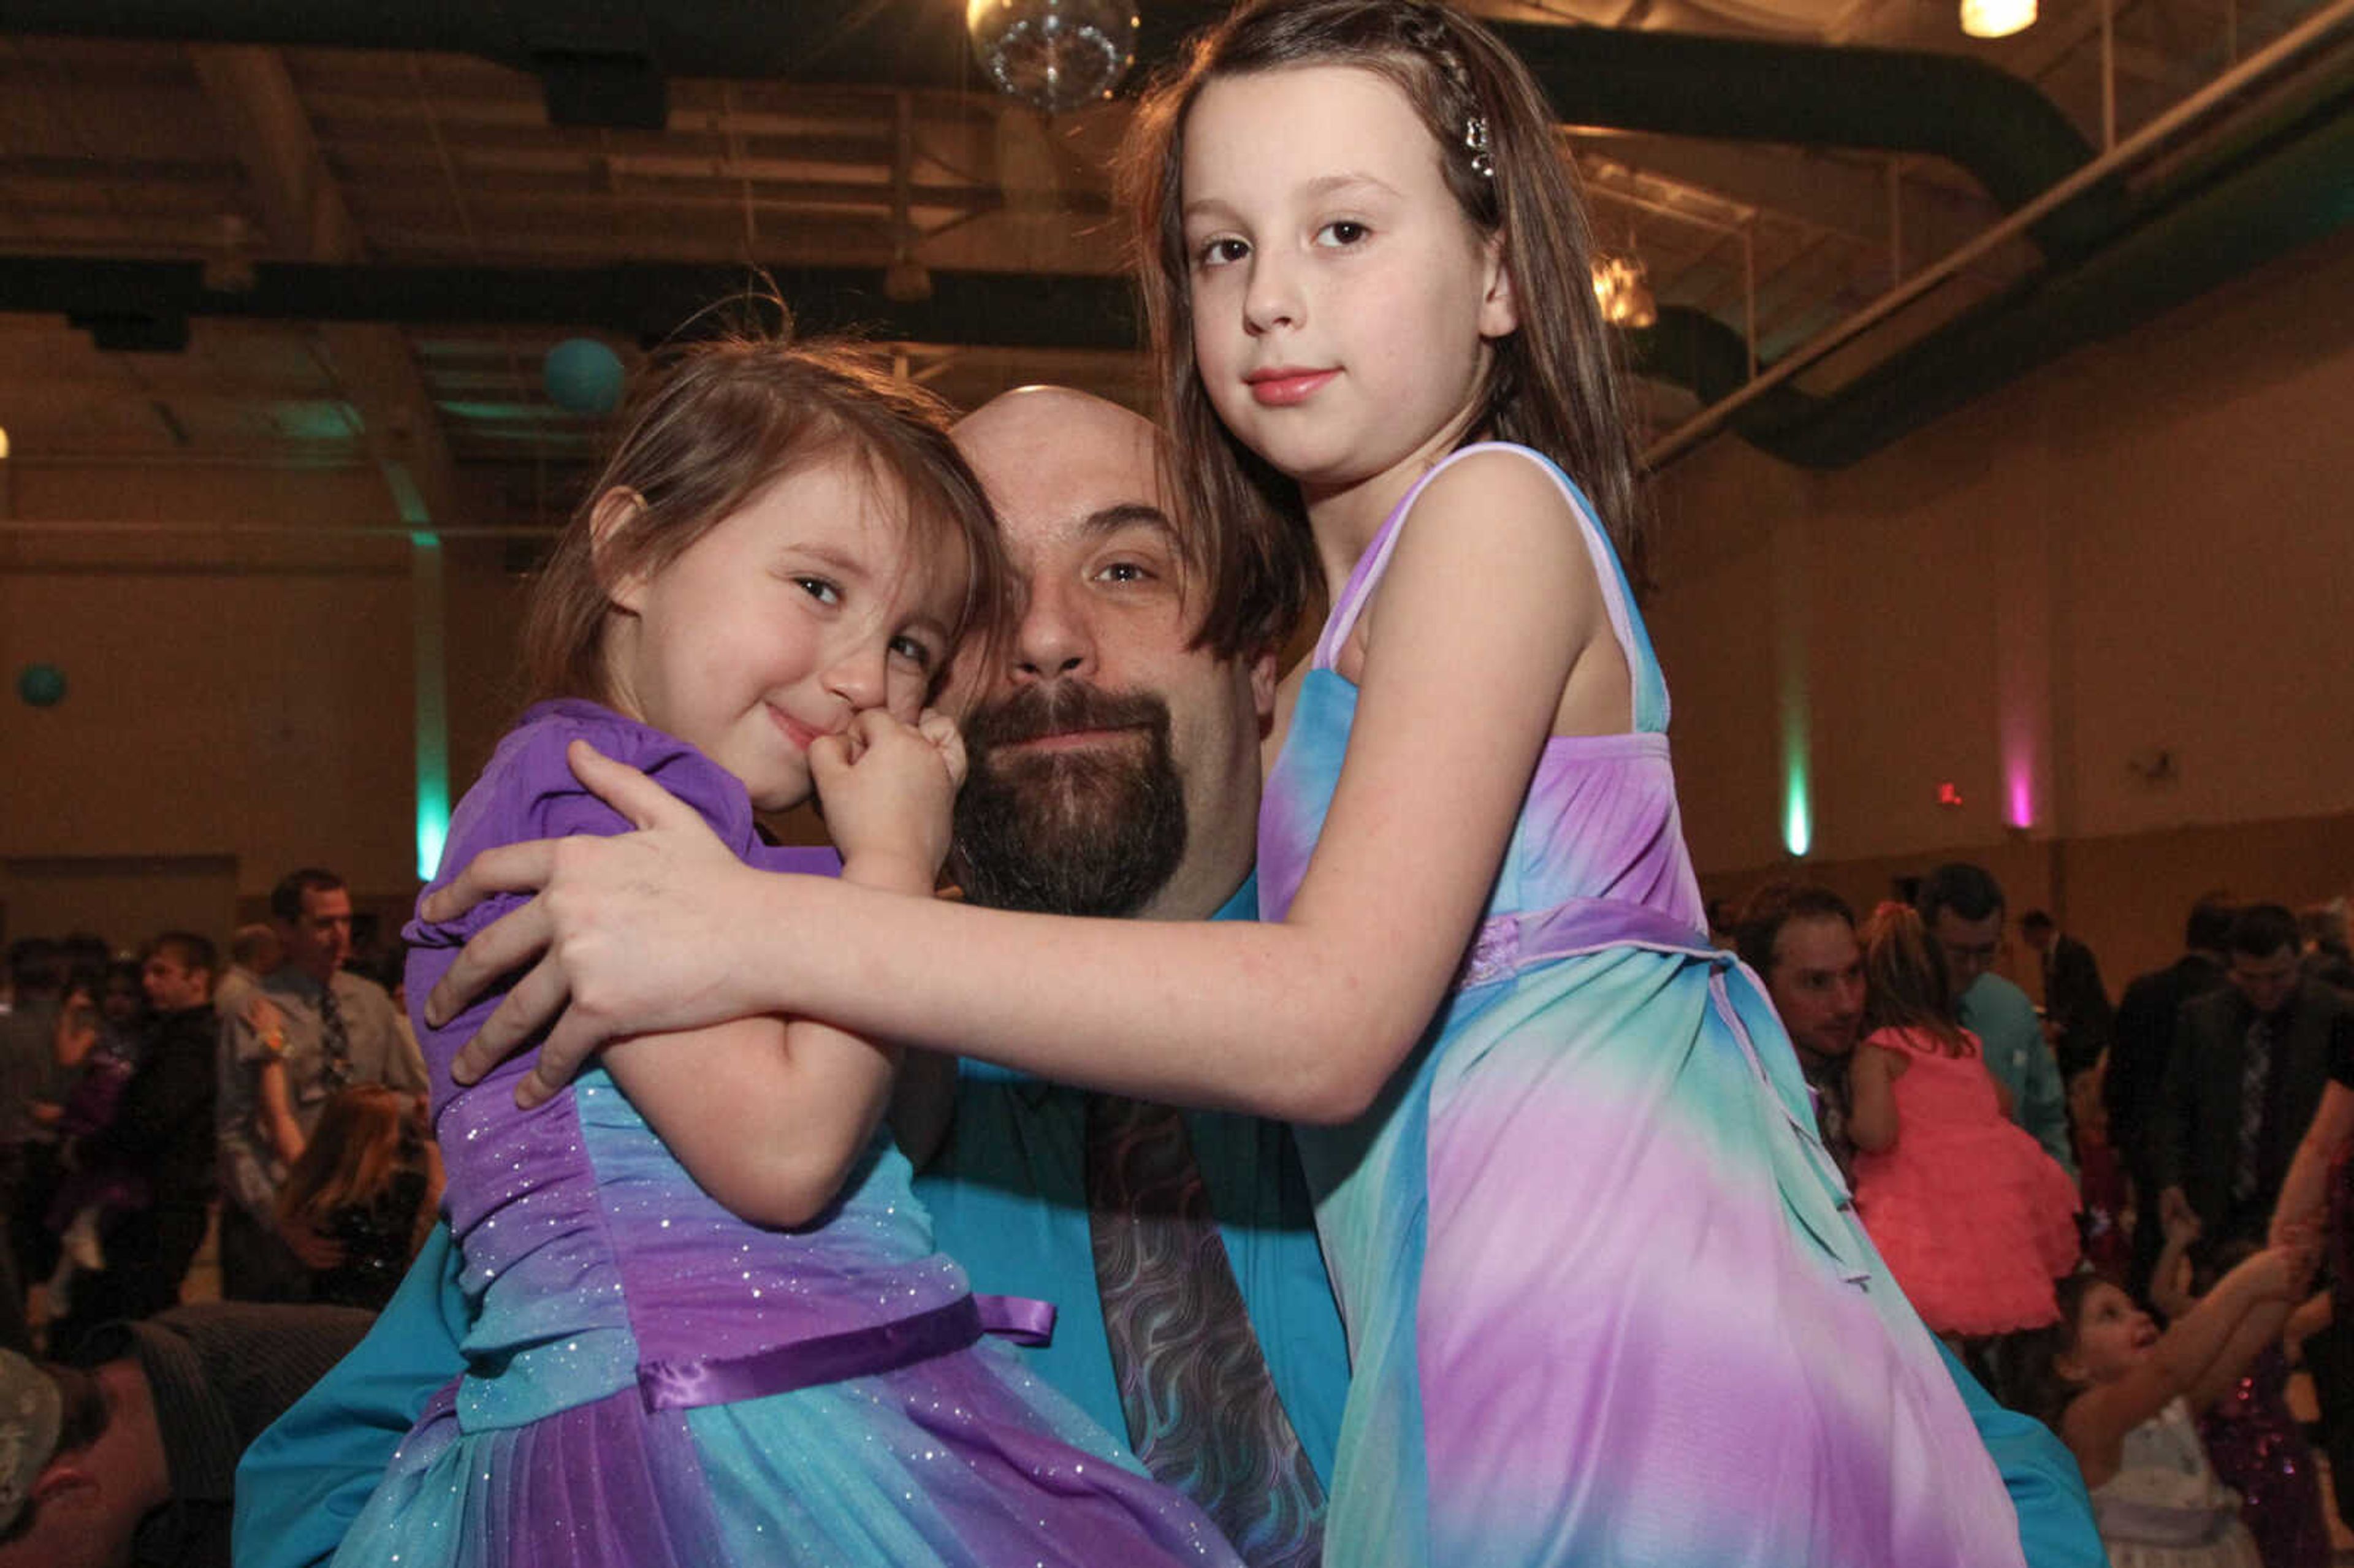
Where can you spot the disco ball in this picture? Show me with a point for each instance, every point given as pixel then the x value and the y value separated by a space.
pixel 1056 54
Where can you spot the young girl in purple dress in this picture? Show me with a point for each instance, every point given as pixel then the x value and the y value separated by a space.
pixel 708 1323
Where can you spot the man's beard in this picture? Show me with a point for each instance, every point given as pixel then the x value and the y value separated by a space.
pixel 1098 830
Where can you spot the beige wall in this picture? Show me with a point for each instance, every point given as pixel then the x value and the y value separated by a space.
pixel 239 701
pixel 2145 546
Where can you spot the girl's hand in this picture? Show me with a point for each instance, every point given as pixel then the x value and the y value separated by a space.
pixel 628 935
pixel 2180 1227
pixel 886 791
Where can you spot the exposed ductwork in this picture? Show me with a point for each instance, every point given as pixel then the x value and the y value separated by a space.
pixel 2111 261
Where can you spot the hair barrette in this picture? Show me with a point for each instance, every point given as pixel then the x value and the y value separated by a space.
pixel 1475 138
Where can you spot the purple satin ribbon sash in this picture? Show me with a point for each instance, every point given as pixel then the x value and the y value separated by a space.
pixel 1512 942
pixel 1023 1319
pixel 833 1358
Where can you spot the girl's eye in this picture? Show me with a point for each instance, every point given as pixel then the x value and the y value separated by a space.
pixel 819 589
pixel 1342 232
pixel 1222 251
pixel 912 650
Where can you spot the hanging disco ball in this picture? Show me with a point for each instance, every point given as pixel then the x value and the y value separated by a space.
pixel 1056 54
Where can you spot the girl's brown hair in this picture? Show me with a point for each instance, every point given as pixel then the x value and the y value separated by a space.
pixel 367 1136
pixel 1904 982
pixel 1552 385
pixel 721 421
pixel 2027 1364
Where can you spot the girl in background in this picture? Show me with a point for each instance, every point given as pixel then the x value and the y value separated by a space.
pixel 2126 1399
pixel 709 1325
pixel 369 1180
pixel 1974 1220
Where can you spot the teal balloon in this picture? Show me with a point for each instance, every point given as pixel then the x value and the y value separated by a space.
pixel 583 376
pixel 41 685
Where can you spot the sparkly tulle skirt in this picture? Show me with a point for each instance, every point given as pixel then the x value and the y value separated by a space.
pixel 962 1459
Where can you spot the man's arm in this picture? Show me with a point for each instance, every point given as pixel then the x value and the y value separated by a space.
pixel 2171 1117
pixel 2043 1107
pixel 244 1164
pixel 303 1481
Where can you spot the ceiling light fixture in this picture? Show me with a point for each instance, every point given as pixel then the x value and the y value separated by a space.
pixel 1997 18
pixel 1624 293
pixel 1055 54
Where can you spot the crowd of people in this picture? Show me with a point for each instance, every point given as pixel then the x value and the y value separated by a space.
pixel 2210 1111
pixel 705 1201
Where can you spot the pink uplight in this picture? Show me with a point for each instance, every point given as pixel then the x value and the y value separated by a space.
pixel 2019 791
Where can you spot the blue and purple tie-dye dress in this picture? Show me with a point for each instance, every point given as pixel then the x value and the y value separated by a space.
pixel 1607 1304
pixel 652 1381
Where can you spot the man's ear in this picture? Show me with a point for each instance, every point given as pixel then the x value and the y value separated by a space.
pixel 615 510
pixel 63 1477
pixel 1262 676
pixel 1500 310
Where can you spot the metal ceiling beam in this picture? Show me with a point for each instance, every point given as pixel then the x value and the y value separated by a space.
pixel 1012 310
pixel 2011 138
pixel 302 210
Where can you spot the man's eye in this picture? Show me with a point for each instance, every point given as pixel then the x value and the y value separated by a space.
pixel 1124 572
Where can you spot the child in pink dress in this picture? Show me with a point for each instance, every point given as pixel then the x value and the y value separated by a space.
pixel 1974 1219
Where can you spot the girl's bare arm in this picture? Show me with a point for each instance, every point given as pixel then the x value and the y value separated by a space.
pixel 1490 602
pixel 1871 1120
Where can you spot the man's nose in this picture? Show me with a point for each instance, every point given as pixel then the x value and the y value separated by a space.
pixel 1053 639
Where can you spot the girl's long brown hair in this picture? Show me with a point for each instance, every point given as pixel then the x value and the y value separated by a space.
pixel 1552 385
pixel 366 1135
pixel 1904 982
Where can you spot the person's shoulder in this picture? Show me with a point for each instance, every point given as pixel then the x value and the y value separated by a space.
pixel 533 753
pixel 355 988
pixel 1500 481
pixel 1998 1001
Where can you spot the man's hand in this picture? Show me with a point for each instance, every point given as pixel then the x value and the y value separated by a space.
pixel 628 935
pixel 318 1253
pixel 886 791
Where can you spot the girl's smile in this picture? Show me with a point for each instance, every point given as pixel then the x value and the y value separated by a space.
pixel 1283 386
pixel 804 606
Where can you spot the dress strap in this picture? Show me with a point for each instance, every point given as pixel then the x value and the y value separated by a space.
pixel 1647 689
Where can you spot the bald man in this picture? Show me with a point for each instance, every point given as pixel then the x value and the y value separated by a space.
pixel 1114 770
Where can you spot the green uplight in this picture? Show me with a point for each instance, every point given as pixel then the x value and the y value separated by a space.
pixel 432 712
pixel 1797 816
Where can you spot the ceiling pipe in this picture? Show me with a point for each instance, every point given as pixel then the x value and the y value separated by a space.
pixel 2264 225
pixel 606 64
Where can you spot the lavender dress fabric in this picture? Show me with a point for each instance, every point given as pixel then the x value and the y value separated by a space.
pixel 1608 1303
pixel 629 1332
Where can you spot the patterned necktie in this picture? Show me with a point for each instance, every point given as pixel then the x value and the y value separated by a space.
pixel 2255 1076
pixel 334 1042
pixel 1201 1406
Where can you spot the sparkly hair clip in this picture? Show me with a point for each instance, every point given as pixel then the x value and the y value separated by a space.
pixel 1475 138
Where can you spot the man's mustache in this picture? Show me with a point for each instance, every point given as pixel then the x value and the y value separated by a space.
pixel 1060 707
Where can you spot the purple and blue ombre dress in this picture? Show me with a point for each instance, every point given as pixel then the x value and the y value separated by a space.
pixel 652 1381
pixel 1607 1304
